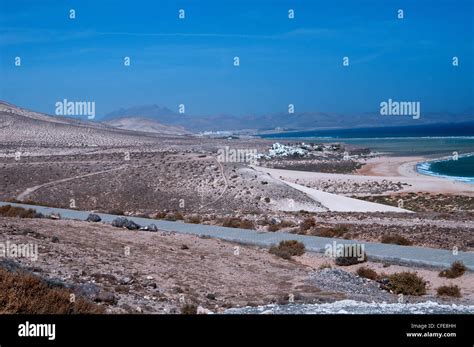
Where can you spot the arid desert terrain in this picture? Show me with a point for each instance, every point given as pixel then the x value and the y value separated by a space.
pixel 333 191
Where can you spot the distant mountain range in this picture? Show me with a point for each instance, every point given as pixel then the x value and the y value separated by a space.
pixel 278 121
pixel 146 125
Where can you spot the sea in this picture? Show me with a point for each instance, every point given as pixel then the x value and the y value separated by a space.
pixel 449 148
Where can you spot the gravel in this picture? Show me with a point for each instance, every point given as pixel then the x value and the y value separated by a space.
pixel 355 287
pixel 356 307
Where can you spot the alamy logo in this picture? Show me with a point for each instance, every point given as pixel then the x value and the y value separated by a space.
pixel 37 330
pixel 350 250
pixel 236 155
pixel 400 108
pixel 75 108
pixel 14 250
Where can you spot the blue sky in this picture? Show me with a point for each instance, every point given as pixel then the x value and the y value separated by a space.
pixel 283 61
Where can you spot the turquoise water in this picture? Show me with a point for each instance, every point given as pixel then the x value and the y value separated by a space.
pixel 461 169
pixel 431 147
pixel 403 146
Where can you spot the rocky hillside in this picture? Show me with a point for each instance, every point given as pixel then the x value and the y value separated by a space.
pixel 146 125
pixel 19 126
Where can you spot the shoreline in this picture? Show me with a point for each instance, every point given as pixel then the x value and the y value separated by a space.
pixel 424 169
pixel 377 170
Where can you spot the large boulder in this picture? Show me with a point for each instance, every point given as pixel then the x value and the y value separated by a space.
pixel 151 227
pixel 119 222
pixel 93 218
pixel 131 225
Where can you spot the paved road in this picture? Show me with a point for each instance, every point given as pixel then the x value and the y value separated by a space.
pixel 375 251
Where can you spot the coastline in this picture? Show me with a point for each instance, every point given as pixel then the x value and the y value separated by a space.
pixel 424 168
pixel 400 170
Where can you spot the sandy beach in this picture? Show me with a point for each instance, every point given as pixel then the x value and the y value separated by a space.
pixel 399 171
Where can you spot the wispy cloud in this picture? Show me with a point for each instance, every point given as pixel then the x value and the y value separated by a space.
pixel 28 36
pixel 286 35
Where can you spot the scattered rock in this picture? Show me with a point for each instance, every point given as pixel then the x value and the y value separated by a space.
pixel 211 296
pixel 126 280
pixel 152 227
pixel 55 216
pixel 106 297
pixel 122 222
pixel 119 222
pixel 202 310
pixel 89 290
pixel 347 261
pixel 55 239
pixel 275 221
pixel 93 218
pixel 131 225
pixel 340 281
pixel 104 277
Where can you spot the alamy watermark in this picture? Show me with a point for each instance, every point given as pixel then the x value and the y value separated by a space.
pixel 75 108
pixel 236 155
pixel 21 250
pixel 346 250
pixel 400 108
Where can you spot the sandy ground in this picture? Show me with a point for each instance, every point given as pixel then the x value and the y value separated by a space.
pixel 390 166
pixel 338 203
pixel 377 170
pixel 161 271
pixel 404 168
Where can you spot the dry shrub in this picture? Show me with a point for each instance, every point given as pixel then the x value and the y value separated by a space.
pixel 235 222
pixel 457 269
pixel 395 239
pixel 12 211
pixel 189 309
pixel 324 265
pixel 174 216
pixel 23 293
pixel 280 225
pixel 194 219
pixel 407 283
pixel 366 272
pixel 159 215
pixel 287 249
pixel 178 215
pixel 273 227
pixel 307 224
pixel 450 290
pixel 116 211
pixel 337 231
